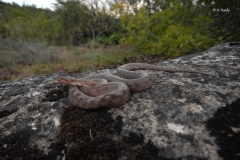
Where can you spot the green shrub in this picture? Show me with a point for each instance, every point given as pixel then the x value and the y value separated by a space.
pixel 113 39
pixel 171 32
pixel 104 40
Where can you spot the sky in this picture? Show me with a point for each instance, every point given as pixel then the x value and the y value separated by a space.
pixel 38 3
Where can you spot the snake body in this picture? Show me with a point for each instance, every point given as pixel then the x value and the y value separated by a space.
pixel 106 90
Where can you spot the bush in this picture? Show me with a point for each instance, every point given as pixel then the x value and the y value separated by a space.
pixel 170 32
pixel 113 39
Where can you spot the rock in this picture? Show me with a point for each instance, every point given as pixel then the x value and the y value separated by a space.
pixel 181 116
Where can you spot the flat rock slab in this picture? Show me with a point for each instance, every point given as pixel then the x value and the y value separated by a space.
pixel 183 115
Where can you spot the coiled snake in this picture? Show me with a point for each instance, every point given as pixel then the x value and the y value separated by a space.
pixel 105 90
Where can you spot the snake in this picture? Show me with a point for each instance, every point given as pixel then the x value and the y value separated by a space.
pixel 108 90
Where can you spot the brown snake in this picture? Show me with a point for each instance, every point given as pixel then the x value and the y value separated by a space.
pixel 105 90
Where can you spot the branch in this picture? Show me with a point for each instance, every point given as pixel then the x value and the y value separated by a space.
pixel 93 44
pixel 152 34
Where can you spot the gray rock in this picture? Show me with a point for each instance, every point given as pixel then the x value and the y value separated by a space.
pixel 167 121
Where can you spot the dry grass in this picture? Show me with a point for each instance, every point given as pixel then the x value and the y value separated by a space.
pixel 22 59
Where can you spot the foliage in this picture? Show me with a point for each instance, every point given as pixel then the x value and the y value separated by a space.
pixel 175 31
pixel 26 23
pixel 226 17
pixel 72 15
pixel 112 39
pixel 103 40
pixel 70 24
pixel 80 21
pixel 21 59
pixel 161 27
pixel 115 38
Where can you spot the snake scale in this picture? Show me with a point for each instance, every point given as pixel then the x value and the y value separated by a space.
pixel 106 90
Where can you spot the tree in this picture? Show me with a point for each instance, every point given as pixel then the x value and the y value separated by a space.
pixel 28 23
pixel 176 30
pixel 226 17
pixel 79 20
pixel 74 18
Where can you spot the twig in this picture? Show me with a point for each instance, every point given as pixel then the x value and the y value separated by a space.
pixel 92 47
pixel 93 44
pixel 152 34
pixel 90 134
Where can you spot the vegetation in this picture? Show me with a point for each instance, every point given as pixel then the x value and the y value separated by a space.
pixel 226 18
pixel 167 33
pixel 80 36
pixel 24 58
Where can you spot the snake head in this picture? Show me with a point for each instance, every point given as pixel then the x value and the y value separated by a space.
pixel 67 80
pixel 71 81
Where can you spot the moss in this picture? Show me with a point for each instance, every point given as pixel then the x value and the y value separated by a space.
pixel 89 135
pixel 56 94
pixel 91 132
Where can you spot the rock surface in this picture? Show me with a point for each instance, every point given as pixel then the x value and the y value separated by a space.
pixel 178 117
